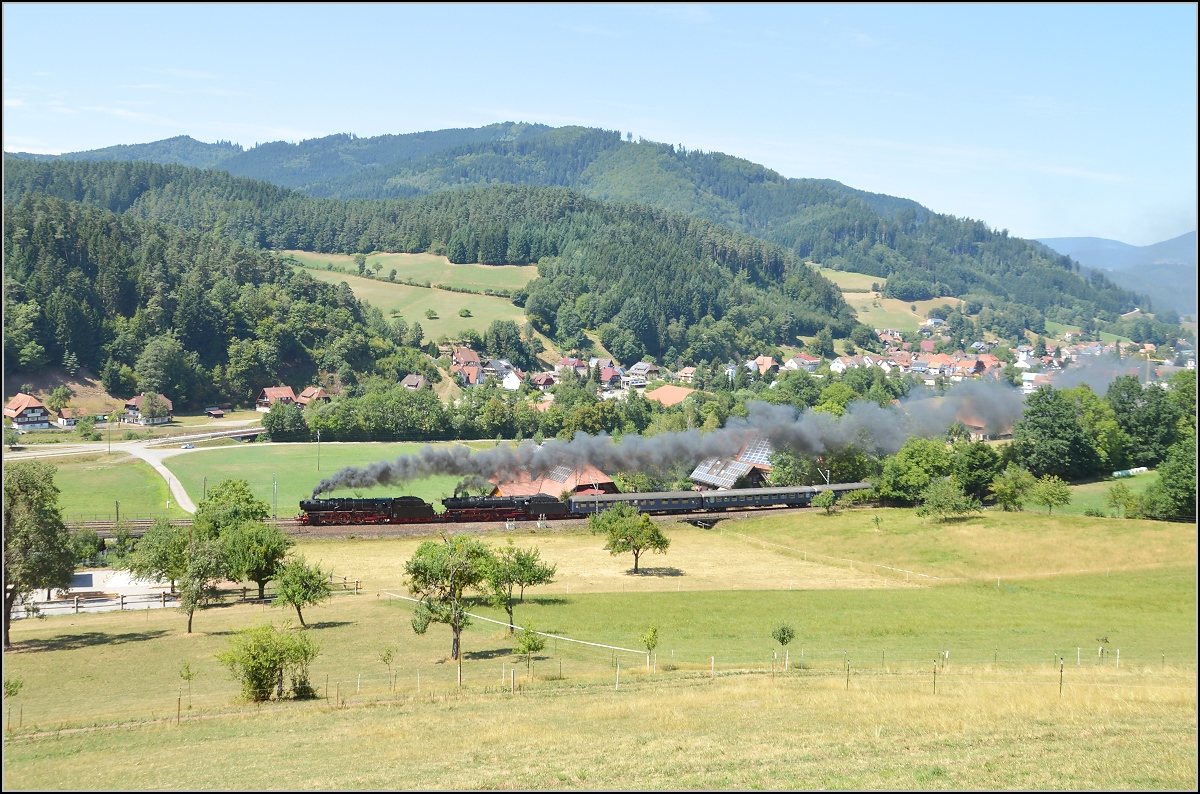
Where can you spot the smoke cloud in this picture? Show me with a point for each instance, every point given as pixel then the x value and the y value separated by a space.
pixel 864 424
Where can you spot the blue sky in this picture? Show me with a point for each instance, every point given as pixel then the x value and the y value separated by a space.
pixel 1047 120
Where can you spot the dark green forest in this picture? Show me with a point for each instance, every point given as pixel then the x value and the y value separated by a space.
pixel 651 281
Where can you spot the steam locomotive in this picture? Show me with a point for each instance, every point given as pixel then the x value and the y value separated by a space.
pixel 411 510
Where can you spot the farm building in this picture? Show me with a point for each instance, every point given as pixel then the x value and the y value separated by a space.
pixel 312 394
pixel 135 411
pixel 585 479
pixel 415 382
pixel 27 413
pixel 274 394
pixel 752 463
pixel 669 395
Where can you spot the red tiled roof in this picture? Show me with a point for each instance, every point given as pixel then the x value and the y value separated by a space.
pixel 312 393
pixel 670 395
pixel 21 402
pixel 136 402
pixel 273 393
pixel 524 484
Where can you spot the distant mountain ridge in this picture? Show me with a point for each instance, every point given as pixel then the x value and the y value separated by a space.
pixel 919 253
pixel 1165 272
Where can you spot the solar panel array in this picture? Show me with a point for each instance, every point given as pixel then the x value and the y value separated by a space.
pixel 720 473
pixel 560 473
pixel 757 452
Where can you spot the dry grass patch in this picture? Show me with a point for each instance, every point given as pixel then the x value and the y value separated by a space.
pixel 697 560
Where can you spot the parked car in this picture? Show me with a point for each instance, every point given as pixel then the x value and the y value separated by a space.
pixel 188 446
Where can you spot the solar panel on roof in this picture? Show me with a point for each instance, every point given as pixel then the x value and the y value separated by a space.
pixel 560 473
pixel 720 473
pixel 757 452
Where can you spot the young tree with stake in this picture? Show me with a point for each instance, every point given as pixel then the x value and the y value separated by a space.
pixel 528 643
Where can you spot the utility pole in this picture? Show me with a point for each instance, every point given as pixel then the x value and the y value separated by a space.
pixel 318 450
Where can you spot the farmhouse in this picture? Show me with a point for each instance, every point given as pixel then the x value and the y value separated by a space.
pixel 312 394
pixel 464 356
pixel 27 413
pixel 585 479
pixel 542 380
pixel 136 410
pixel 67 417
pixel 471 374
pixel 274 394
pixel 415 382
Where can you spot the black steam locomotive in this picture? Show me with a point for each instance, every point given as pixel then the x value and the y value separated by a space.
pixel 411 510
pixel 464 509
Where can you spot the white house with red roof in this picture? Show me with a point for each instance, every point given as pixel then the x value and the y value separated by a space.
pixel 26 412
pixel 135 408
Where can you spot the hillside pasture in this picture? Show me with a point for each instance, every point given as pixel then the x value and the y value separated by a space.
pixel 848 280
pixel 425 267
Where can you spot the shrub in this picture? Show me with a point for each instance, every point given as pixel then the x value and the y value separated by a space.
pixel 944 499
pixel 1095 512
pixel 827 500
pixel 261 656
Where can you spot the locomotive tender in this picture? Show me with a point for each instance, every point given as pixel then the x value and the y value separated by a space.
pixel 411 510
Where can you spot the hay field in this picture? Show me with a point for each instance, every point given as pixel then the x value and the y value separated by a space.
pixel 426 267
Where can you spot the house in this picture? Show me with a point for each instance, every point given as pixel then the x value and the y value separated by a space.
pixel 686 375
pixel 644 370
pixel 610 377
pixel 27 413
pixel 752 463
pixel 802 361
pixel 274 394
pixel 927 345
pixel 554 482
pixel 843 363
pixel 980 430
pixel 512 380
pixel 67 417
pixel 464 356
pixel 600 362
pixel 134 414
pixel 934 322
pixel 471 374
pixel 312 394
pixel 669 395
pixel 766 364
pixel 414 382
pixel 570 362
pixel 542 380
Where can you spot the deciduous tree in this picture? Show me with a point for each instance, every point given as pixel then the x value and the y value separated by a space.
pixel 1050 492
pixel 37 545
pixel 299 585
pixel 439 575
pixel 628 531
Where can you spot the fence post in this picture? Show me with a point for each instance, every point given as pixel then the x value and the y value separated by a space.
pixel 76 605
pixel 1061 664
pixel 713 661
pixel 122 601
pixel 355 587
pixel 618 686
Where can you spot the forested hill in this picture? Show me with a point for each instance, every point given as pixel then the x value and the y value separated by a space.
pixel 922 254
pixel 647 279
pixel 296 164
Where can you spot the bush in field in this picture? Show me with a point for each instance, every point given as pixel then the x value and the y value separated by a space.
pixel 1011 488
pixel 261 657
pixel 944 499
pixel 826 500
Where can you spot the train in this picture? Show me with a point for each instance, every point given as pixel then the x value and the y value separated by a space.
pixel 475 509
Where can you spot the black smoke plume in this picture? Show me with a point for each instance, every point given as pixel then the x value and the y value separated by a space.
pixel 864 424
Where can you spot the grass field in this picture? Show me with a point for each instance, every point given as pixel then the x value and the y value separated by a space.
pixel 1092 495
pixel 412 302
pixel 90 484
pixel 846 280
pixel 428 267
pixel 997 719
pixel 294 467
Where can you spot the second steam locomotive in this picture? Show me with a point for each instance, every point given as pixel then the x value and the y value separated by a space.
pixel 471 509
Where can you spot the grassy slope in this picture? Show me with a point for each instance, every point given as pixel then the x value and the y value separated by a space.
pixel 989 725
pixel 295 468
pixel 428 267
pixel 90 484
